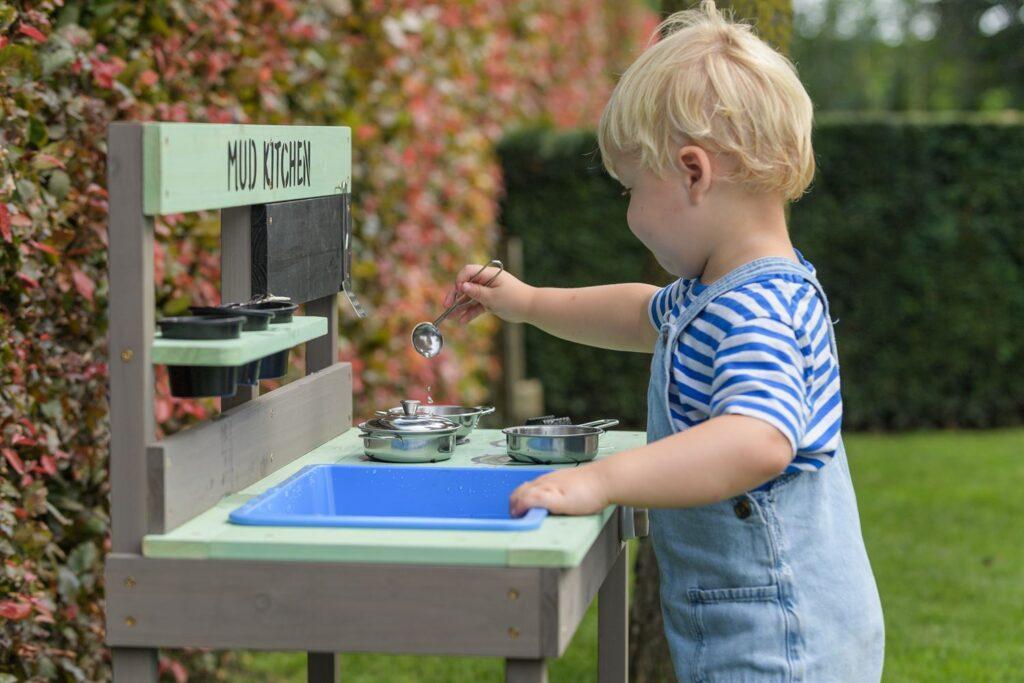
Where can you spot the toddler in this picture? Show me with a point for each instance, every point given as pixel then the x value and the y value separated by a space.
pixel 764 575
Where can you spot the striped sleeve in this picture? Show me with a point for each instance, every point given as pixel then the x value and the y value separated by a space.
pixel 661 303
pixel 759 371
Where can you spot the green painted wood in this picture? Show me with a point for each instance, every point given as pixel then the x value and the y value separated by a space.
pixel 197 166
pixel 559 542
pixel 232 352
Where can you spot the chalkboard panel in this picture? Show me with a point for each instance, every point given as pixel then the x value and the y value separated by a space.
pixel 299 247
pixel 196 166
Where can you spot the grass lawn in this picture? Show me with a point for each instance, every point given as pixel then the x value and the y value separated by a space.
pixel 943 516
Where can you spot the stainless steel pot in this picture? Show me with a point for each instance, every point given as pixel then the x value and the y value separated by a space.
pixel 555 444
pixel 467 418
pixel 409 437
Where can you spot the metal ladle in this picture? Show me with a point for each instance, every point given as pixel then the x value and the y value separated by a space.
pixel 426 337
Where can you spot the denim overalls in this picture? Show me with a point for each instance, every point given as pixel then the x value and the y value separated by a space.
pixel 775 584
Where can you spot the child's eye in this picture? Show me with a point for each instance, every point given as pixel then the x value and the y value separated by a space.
pixel 625 193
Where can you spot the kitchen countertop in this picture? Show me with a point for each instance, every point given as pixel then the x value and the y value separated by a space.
pixel 559 542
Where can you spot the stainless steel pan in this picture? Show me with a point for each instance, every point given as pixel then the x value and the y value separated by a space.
pixel 555 444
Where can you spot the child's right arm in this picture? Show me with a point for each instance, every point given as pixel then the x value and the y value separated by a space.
pixel 607 316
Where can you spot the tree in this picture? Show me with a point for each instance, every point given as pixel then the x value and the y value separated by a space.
pixel 648 650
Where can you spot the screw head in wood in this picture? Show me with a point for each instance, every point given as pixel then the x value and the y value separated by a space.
pixel 129 621
pixel 513 632
pixel 513 594
pixel 127 355
pixel 129 582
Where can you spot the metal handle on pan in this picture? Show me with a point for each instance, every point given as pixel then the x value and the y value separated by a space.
pixel 600 424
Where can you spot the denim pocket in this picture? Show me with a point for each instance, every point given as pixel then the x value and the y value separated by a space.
pixel 743 635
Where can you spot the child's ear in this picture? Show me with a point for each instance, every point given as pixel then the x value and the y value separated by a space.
pixel 695 166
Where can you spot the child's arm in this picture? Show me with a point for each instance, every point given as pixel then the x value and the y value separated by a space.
pixel 608 316
pixel 713 461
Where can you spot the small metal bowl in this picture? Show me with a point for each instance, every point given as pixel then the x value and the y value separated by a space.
pixel 467 418
pixel 555 444
pixel 409 436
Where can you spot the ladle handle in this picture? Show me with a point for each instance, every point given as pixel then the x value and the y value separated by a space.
pixel 465 298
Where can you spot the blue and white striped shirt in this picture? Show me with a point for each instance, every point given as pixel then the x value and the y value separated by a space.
pixel 760 350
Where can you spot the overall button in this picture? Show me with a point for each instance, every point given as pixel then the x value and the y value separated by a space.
pixel 742 508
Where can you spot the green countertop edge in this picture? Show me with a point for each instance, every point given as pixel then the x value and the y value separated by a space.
pixel 232 352
pixel 559 542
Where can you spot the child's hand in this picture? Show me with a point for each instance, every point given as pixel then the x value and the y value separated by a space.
pixel 507 297
pixel 578 491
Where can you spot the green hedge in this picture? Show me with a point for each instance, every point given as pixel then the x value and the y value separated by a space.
pixel 916 227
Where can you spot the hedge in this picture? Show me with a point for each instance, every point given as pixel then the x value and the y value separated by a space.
pixel 916 227
pixel 427 89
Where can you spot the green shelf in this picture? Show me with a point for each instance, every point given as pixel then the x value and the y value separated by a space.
pixel 233 352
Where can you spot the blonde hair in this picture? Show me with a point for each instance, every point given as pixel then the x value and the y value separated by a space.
pixel 712 82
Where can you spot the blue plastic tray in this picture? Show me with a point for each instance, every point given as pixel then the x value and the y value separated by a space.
pixel 397 497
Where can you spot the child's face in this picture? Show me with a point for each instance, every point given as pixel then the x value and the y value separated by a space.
pixel 669 214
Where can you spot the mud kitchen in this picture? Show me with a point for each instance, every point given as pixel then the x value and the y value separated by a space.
pixel 277 525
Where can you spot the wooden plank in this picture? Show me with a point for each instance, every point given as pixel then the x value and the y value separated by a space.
pixel 197 166
pixel 130 336
pixel 322 352
pixel 578 585
pixel 131 311
pixel 249 346
pixel 235 269
pixel 613 623
pixel 298 248
pixel 323 607
pixel 195 468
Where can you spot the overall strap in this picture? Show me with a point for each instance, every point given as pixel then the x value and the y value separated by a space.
pixel 745 274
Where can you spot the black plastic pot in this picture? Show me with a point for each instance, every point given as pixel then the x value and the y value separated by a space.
pixel 282 310
pixel 255 320
pixel 275 365
pixel 196 381
pixel 201 327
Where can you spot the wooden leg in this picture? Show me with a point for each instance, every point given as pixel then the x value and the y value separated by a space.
pixel 323 667
pixel 134 665
pixel 526 671
pixel 613 623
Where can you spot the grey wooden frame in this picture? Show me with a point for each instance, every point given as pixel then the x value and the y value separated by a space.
pixel 523 614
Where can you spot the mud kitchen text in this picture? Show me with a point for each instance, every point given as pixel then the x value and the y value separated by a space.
pixel 283 164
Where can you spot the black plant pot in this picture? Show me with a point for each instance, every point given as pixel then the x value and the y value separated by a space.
pixel 201 327
pixel 249 373
pixel 275 365
pixel 282 310
pixel 196 381
pixel 255 320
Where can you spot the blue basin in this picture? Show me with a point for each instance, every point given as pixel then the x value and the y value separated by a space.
pixel 396 497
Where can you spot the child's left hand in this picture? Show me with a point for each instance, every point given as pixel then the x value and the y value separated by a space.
pixel 579 491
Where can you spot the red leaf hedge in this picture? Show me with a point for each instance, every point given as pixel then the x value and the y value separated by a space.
pixel 427 90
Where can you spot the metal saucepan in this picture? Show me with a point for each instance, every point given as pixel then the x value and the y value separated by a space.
pixel 555 444
pixel 467 418
pixel 409 437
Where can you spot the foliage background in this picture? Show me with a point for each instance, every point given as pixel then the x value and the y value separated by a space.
pixel 427 89
pixel 913 222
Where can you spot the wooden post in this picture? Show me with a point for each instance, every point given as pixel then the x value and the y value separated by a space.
pixel 323 351
pixel 235 276
pixel 613 623
pixel 526 671
pixel 131 311
pixel 323 667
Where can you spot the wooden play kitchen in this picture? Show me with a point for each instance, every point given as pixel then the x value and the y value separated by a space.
pixel 268 527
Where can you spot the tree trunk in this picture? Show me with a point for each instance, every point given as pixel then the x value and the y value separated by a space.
pixel 649 660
